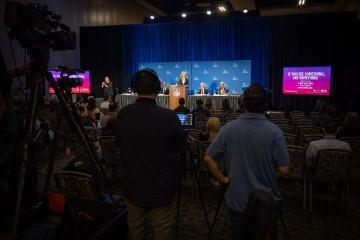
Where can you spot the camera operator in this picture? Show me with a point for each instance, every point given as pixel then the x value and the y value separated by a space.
pixel 150 138
pixel 10 128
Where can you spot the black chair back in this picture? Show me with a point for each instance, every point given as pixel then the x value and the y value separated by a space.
pixel 332 165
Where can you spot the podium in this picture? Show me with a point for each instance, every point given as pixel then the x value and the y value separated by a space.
pixel 175 93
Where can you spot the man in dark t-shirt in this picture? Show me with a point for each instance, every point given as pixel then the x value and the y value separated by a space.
pixel 150 139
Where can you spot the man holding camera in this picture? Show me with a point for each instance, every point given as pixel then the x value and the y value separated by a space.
pixel 151 139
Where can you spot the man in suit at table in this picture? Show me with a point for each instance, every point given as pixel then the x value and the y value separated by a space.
pixel 202 90
pixel 164 88
pixel 222 90
pixel 183 80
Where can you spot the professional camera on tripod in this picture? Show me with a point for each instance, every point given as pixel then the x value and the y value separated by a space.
pixel 39 30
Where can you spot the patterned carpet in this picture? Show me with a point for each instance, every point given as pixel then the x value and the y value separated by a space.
pixel 328 220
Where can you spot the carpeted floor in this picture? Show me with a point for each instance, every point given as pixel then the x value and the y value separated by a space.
pixel 329 219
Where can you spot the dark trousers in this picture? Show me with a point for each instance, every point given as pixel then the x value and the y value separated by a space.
pixel 243 229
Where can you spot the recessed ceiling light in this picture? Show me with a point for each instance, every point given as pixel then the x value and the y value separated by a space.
pixel 183 15
pixel 152 17
pixel 245 10
pixel 301 2
pixel 222 8
pixel 208 12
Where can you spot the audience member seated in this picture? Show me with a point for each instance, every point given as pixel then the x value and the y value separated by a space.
pixel 79 101
pixel 181 108
pixel 213 126
pixel 329 141
pixel 200 110
pixel 209 105
pixel 351 126
pixel 330 111
pixel 226 107
pixel 93 112
pixel 241 105
pixel 84 116
pixel 333 112
pixel 107 122
pixel 104 106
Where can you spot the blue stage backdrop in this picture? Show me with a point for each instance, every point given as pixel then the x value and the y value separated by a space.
pixel 236 74
pixel 168 71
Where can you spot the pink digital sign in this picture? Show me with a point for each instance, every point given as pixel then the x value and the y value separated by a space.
pixel 307 80
pixel 83 89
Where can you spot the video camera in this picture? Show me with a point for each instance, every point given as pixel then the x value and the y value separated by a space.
pixel 36 27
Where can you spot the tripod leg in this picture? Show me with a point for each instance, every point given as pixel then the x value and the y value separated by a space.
pixel 178 210
pixel 203 202
pixel 28 153
pixel 70 111
pixel 217 211
pixel 284 225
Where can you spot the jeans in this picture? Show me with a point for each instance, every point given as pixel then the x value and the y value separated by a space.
pixel 243 229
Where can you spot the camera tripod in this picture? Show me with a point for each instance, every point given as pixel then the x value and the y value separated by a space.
pixel 34 83
pixel 201 196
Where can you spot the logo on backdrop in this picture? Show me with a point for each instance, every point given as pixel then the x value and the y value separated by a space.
pixel 196 65
pixel 245 71
pixel 215 78
pixel 234 78
pixel 196 78
pixel 177 66
pixel 235 65
pixel 168 72
pixel 206 71
pixel 225 71
pixel 215 65
pixel 159 66
pixel 142 67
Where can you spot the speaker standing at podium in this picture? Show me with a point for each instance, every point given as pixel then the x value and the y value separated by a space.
pixel 183 80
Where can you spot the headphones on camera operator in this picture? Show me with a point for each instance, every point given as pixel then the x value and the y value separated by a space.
pixel 152 74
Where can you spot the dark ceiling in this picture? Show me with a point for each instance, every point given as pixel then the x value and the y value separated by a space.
pixel 175 7
pixel 172 7
pixel 289 3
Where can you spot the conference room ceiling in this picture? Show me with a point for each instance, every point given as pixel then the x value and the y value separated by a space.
pixel 264 7
pixel 290 3
pixel 191 6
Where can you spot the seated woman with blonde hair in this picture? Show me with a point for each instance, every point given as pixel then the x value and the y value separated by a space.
pixel 213 126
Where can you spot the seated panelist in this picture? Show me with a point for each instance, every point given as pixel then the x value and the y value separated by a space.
pixel 164 89
pixel 222 90
pixel 202 90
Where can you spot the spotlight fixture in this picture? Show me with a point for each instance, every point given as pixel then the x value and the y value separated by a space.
pixel 222 8
pixel 183 15
pixel 301 2
pixel 245 10
pixel 152 17
pixel 208 12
